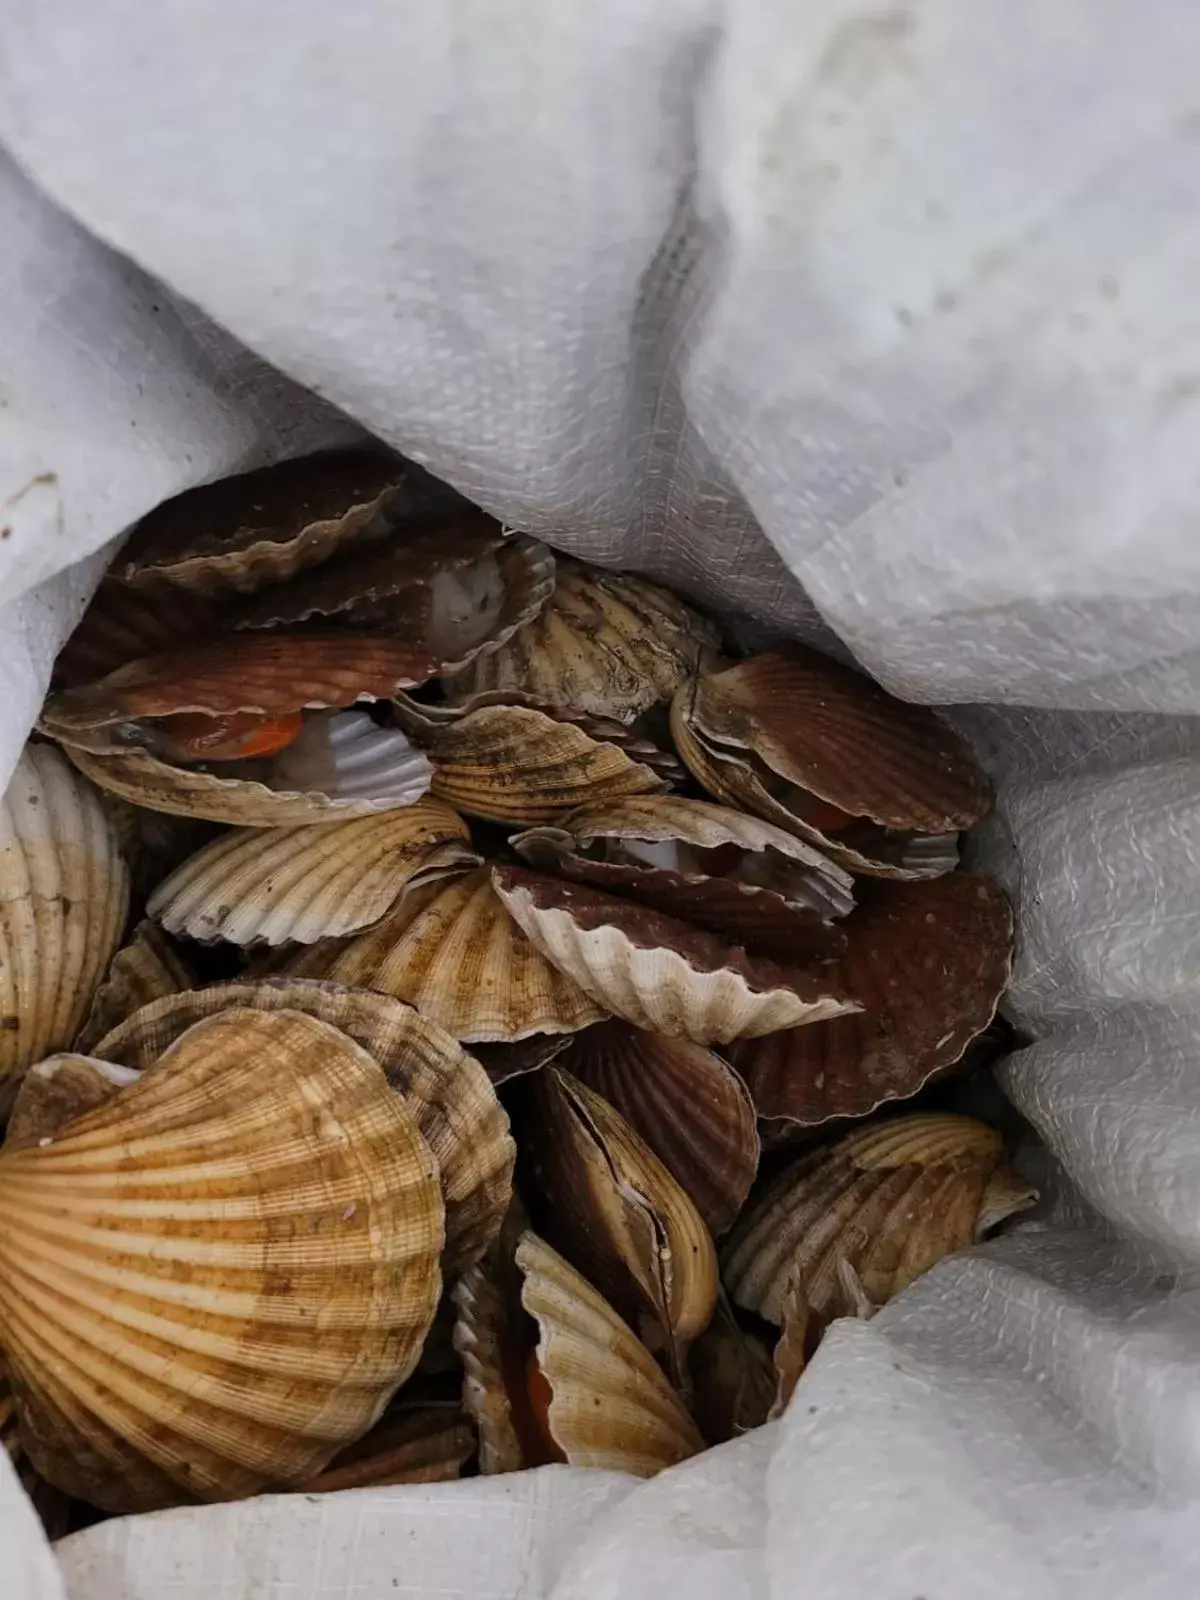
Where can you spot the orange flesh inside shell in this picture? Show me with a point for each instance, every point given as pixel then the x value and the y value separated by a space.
pixel 194 737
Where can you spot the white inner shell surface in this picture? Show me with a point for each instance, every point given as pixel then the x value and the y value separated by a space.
pixel 876 323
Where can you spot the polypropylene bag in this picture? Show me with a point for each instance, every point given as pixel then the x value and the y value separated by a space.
pixel 875 324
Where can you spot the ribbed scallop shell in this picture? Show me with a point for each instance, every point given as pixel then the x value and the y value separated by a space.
pixel 522 764
pixel 411 1444
pixel 57 1090
pixel 657 972
pixel 491 1342
pixel 801 739
pixel 454 591
pixel 689 1107
pixel 889 1200
pixel 448 1091
pixel 64 896
pixel 214 1282
pixel 732 1377
pixel 261 527
pixel 929 961
pixel 608 643
pixel 610 1405
pixel 616 1210
pixel 145 968
pixel 461 960
pixel 123 624
pixel 341 766
pixel 298 885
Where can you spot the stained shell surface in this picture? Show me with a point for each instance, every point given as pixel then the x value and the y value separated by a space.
pixel 463 961
pixel 260 527
pixel 447 1090
pixel 145 968
pixel 610 1404
pixel 64 896
pixel 889 1200
pixel 929 962
pixel 877 783
pixel 691 1109
pixel 657 972
pixel 58 1089
pixel 216 1280
pixel 298 885
pixel 608 643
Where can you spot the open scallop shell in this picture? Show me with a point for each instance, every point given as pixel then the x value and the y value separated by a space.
pixel 261 527
pixel 144 969
pixel 410 1444
pixel 523 764
pixel 889 1200
pixel 341 766
pixel 123 624
pixel 448 1092
pixel 929 961
pixel 298 885
pixel 610 1404
pixel 691 1109
pixel 64 896
pixel 657 972
pixel 617 1211
pixel 880 785
pixel 454 591
pixel 461 960
pixel 215 1281
pixel 608 643
pixel 57 1090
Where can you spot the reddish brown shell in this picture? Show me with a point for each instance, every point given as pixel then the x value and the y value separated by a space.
pixel 124 624
pixel 409 1444
pixel 929 962
pixel 690 1108
pixel 261 527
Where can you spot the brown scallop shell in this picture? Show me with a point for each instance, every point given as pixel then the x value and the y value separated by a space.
pixel 461 960
pixel 341 766
pixel 410 1444
pixel 450 1095
pixel 657 972
pixel 523 764
pixel 616 1210
pixel 261 527
pixel 610 1404
pixel 124 624
pixel 145 968
pixel 185 1312
pixel 455 591
pixel 297 885
pixel 877 783
pixel 890 1200
pixel 732 1378
pixel 57 1090
pixel 929 961
pixel 493 1342
pixel 691 1109
pixel 64 896
pixel 503 1061
pixel 608 643
pixel 799 1333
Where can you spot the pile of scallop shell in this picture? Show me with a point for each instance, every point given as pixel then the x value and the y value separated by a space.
pixel 411 945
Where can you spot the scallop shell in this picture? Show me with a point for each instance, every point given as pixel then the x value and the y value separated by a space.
pixel 214 1282
pixel 608 643
pixel 523 764
pixel 454 591
pixel 341 766
pixel 144 969
pixel 64 896
pixel 798 1334
pixel 412 1444
pixel 448 1092
pixel 490 1338
pixel 610 1404
pixel 691 1109
pixel 123 624
pixel 929 961
pixel 657 972
pixel 504 1061
pixel 461 960
pixel 272 674
pixel 732 1376
pixel 821 750
pixel 617 1211
pixel 298 885
pixel 261 527
pixel 56 1091
pixel 890 1200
